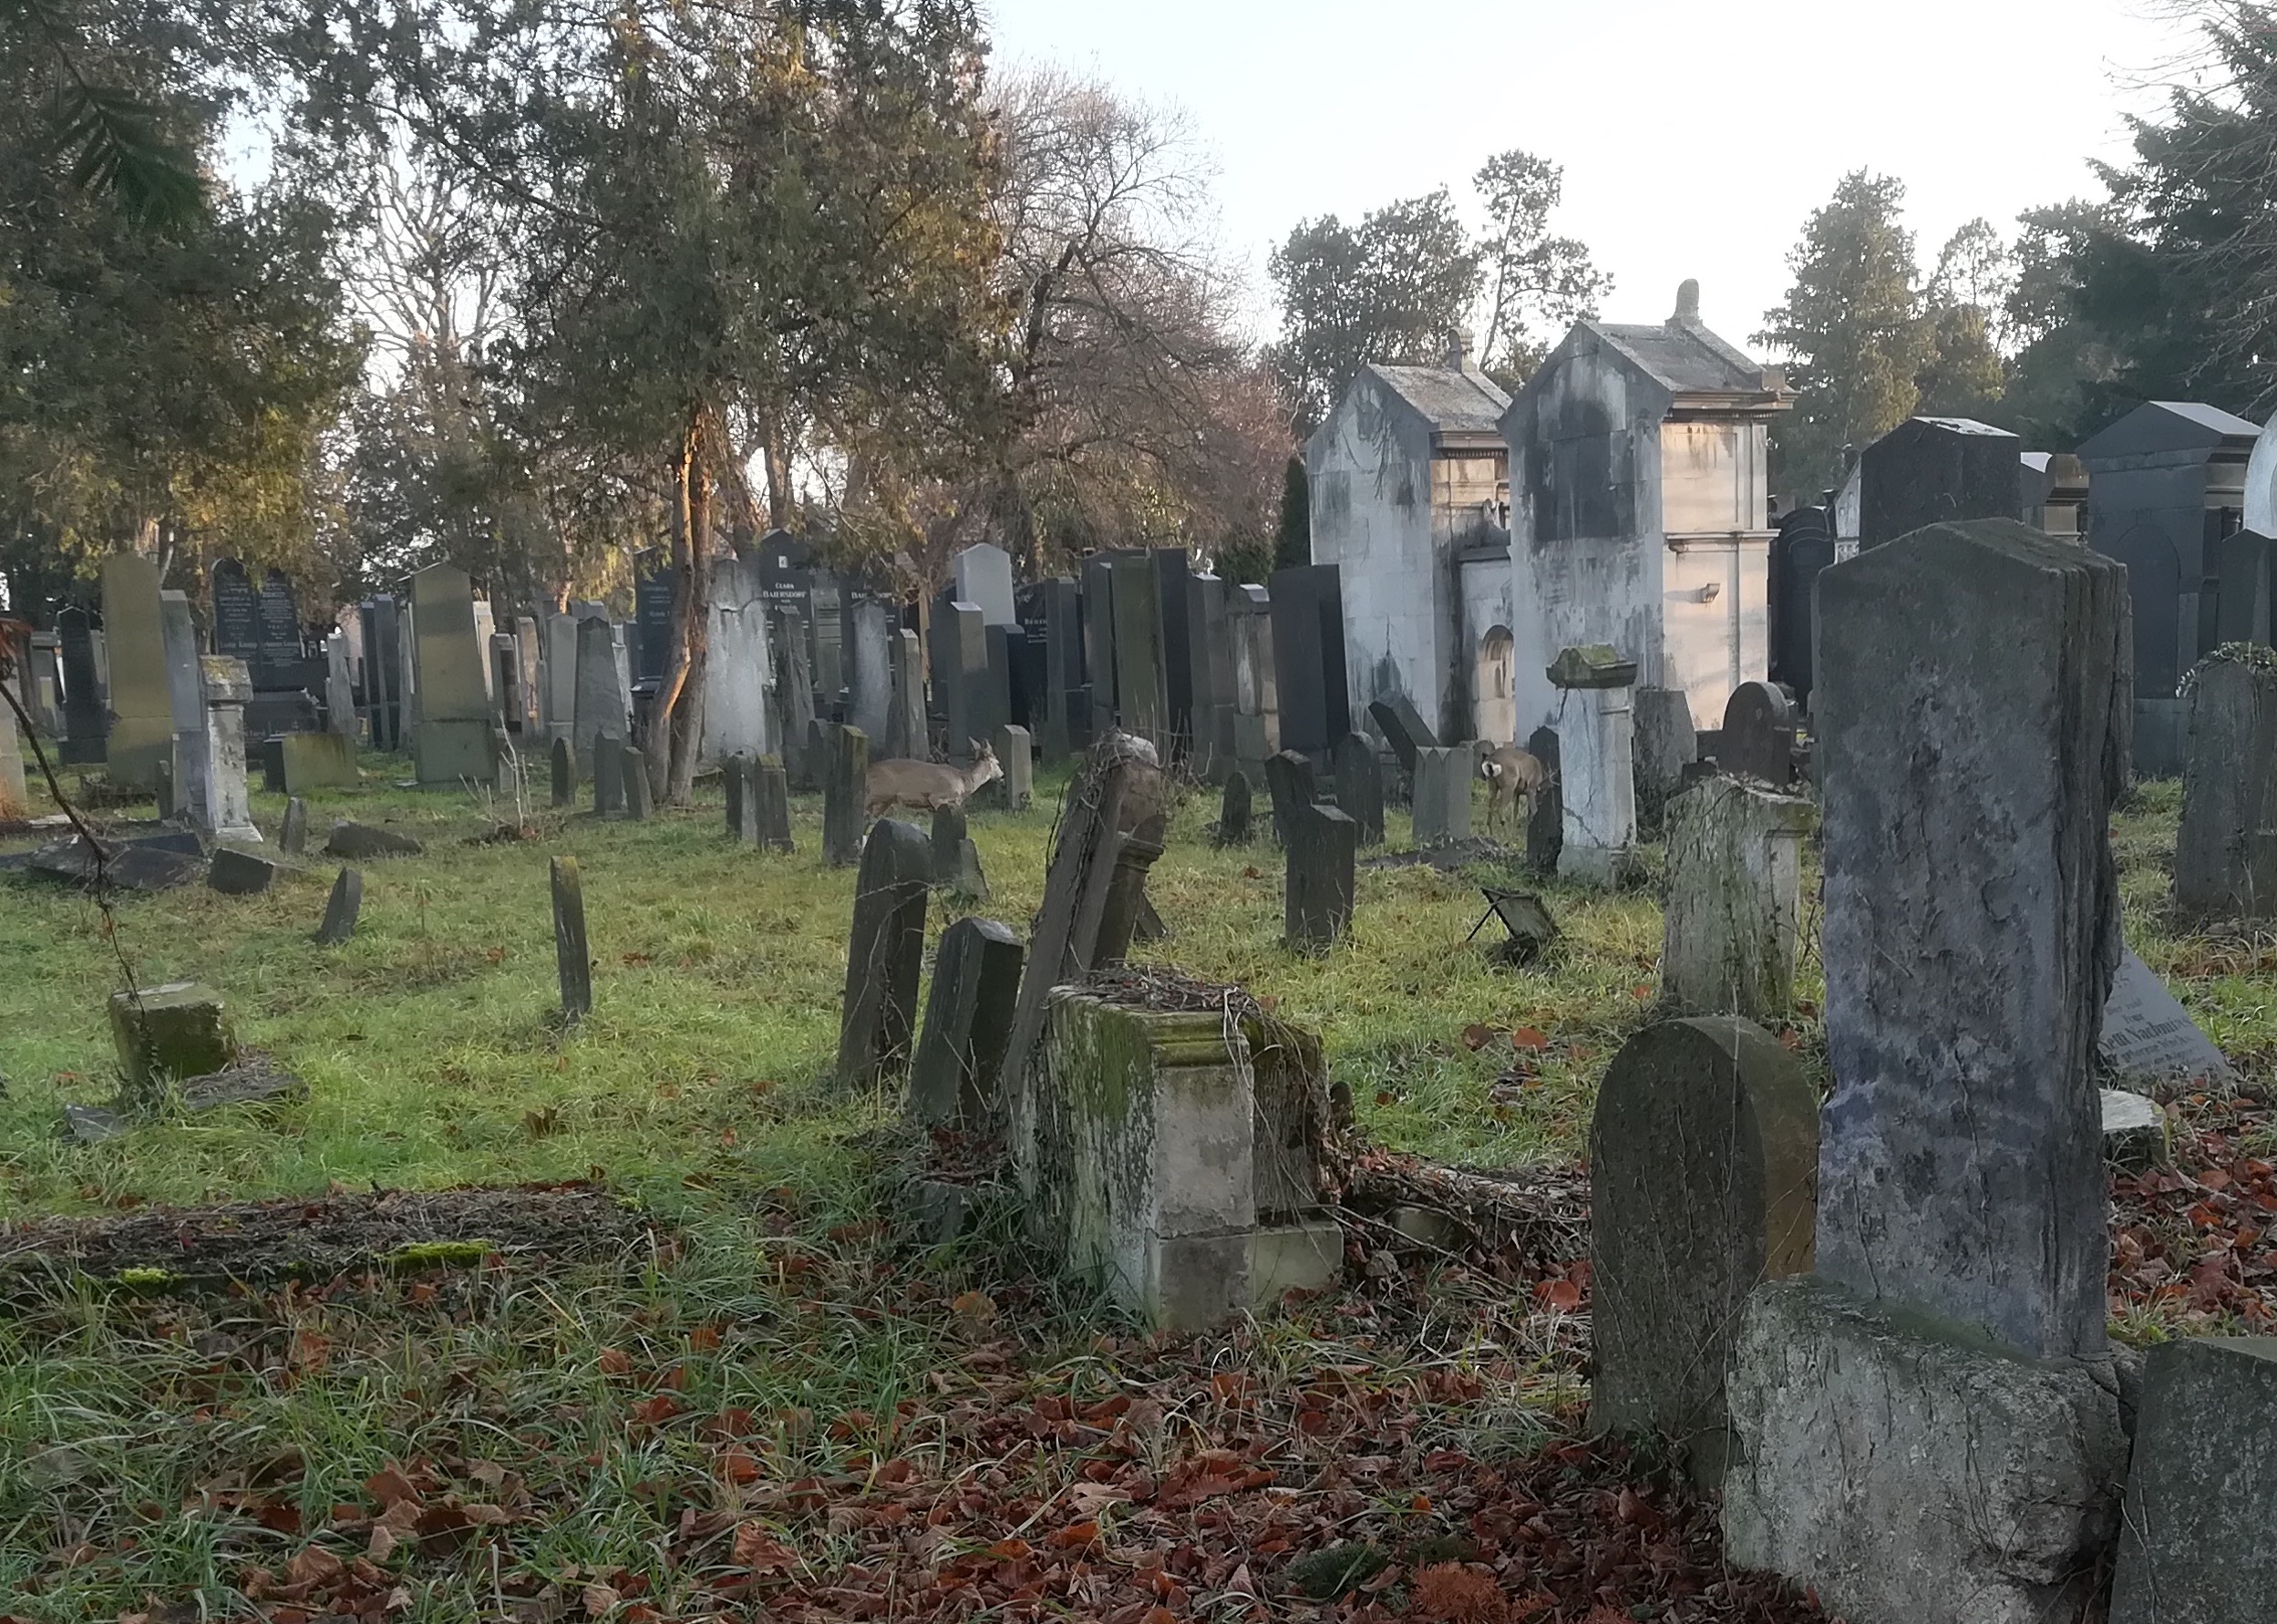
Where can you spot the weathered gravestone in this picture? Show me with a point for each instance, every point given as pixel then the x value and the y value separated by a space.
pixel 1141 699
pixel 1294 786
pixel 236 873
pixel 1067 701
pixel 1016 755
pixel 736 776
pixel 362 842
pixel 185 698
pixel 1308 649
pixel 165 1036
pixel 968 1021
pixel 1440 813
pixel 608 759
pixel 563 762
pixel 1937 470
pixel 219 804
pixel 983 579
pixel 1317 895
pixel 451 741
pixel 1704 1152
pixel 1759 738
pixel 2225 853
pixel 293 840
pixel 1665 744
pixel 870 667
pixel 1545 819
pixel 1360 785
pixel 1402 728
pixel 2146 1036
pixel 1597 761
pixel 795 698
pixel 770 792
pixel 599 700
pixel 632 771
pixel 1734 893
pixel 1928 1427
pixel 14 802
pixel 557 687
pixel 956 861
pixel 1233 811
pixel 86 720
pixel 141 699
pixel 318 761
pixel 845 796
pixel 906 733
pixel 2195 1545
pixel 572 957
pixel 341 909
pixel 885 951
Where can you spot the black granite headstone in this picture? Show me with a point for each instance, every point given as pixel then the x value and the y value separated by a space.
pixel 1317 901
pixel 1308 649
pixel 1803 547
pixel 1545 820
pixel 1360 785
pixel 1234 810
pixel 968 1024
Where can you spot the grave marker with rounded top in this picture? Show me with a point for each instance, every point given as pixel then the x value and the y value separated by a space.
pixel 1704 1152
pixel 1757 740
pixel 563 762
pixel 1545 820
pixel 845 795
pixel 1360 785
pixel 341 909
pixel 362 842
pixel 2225 852
pixel 1234 811
pixel 572 956
pixel 885 951
pixel 1316 903
pixel 968 1022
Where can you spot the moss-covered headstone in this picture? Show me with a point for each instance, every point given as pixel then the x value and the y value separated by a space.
pixel 166 1036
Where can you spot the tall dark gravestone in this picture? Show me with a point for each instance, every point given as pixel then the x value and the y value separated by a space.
pixel 382 673
pixel 1360 785
pixel 1066 703
pixel 1212 630
pixel 1173 599
pixel 1935 471
pixel 2246 566
pixel 2165 486
pixel 1308 649
pixel 85 719
pixel 885 951
pixel 654 594
pixel 968 1022
pixel 1803 546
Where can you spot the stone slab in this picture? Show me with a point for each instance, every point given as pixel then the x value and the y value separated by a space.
pixel 2146 1036
pixel 968 1024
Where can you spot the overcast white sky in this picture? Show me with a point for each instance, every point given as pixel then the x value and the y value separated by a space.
pixel 1695 137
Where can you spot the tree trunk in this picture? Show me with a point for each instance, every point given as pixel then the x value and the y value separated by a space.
pixel 778 459
pixel 674 728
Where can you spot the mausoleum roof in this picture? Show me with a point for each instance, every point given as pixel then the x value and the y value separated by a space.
pixel 1685 358
pixel 1452 402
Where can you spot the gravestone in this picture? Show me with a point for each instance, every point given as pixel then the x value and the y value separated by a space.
pixel 906 733
pixel 167 1036
pixel 14 801
pixel 1937 470
pixel 1665 744
pixel 2146 1036
pixel 221 809
pixel 968 1021
pixel 1403 728
pixel 2225 853
pixel 1316 900
pixel 140 695
pixel 1441 808
pixel 564 762
pixel 1097 595
pixel 507 694
pixel 451 741
pixel 956 861
pixel 1173 608
pixel 960 677
pixel 272 757
pixel 871 679
pixel 292 838
pixel 885 952
pixel 572 957
pixel 1141 701
pixel 795 700
pixel 1233 811
pixel 1210 634
pixel 608 759
pixel 982 576
pixel 743 801
pixel 2201 1492
pixel 1016 755
pixel 1703 1155
pixel 185 699
pixel 1803 547
pixel 1308 650
pixel 1597 761
pixel 770 792
pixel 317 761
pixel 340 716
pixel 1757 740
pixel 600 702
pixel 85 719
pixel 845 796
pixel 1929 1425
pixel 385 697
pixel 1733 918
pixel 633 774
pixel 1545 819
pixel 1290 780
pixel 1360 785
pixel 557 685
pixel 362 842
pixel 237 873
pixel 656 595
pixel 1256 693
pixel 2246 598
pixel 341 909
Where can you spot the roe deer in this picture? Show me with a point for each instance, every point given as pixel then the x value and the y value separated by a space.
pixel 1511 776
pixel 929 785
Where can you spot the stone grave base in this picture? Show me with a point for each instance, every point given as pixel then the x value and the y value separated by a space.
pixel 449 752
pixel 251 1080
pixel 1911 1470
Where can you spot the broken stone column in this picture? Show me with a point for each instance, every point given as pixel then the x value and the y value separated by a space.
pixel 1360 785
pixel 1596 766
pixel 885 952
pixel 1665 744
pixel 1317 893
pixel 1734 893
pixel 845 792
pixel 968 1022
pixel 1927 1426
pixel 221 808
pixel 165 1036
pixel 1704 1152
pixel 2225 853
pixel 1441 802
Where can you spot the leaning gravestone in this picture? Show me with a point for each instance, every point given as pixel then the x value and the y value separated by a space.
pixel 845 795
pixel 1703 1154
pixel 956 861
pixel 361 841
pixel 1402 728
pixel 1294 786
pixel 1317 895
pixel 1758 737
pixel 1234 811
pixel 1735 894
pixel 632 767
pixel 236 873
pixel 2148 1036
pixel 1666 744
pixel 1360 785
pixel 572 956
pixel 1927 1426
pixel 1441 809
pixel 2225 853
pixel 2201 1491
pixel 1545 819
pixel 968 1021
pixel 341 909
pixel 141 700
pixel 770 792
pixel 885 951
pixel 564 762
pixel 293 840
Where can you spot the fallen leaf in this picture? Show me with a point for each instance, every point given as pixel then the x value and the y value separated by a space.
pixel 1530 1037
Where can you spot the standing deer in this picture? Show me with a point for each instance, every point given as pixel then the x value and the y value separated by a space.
pixel 1511 776
pixel 929 785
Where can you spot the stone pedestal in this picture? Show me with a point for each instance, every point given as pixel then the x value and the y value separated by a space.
pixel 1735 885
pixel 168 1034
pixel 215 793
pixel 1909 1469
pixel 1596 764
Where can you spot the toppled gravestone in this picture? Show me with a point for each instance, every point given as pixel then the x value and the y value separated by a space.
pixel 176 1053
pixel 968 1022
pixel 360 842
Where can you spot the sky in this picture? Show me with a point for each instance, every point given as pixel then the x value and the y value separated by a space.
pixel 1695 139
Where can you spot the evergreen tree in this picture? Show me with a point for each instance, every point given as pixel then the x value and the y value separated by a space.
pixel 1293 545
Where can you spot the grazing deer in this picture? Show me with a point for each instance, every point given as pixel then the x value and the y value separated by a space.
pixel 929 785
pixel 1511 776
